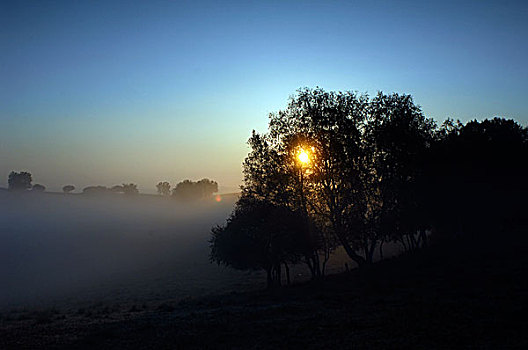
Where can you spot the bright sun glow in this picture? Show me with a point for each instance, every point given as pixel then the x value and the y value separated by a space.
pixel 303 157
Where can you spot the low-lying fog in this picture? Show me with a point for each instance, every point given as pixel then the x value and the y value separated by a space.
pixel 73 246
pixel 59 249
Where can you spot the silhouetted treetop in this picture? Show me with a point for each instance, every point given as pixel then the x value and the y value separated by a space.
pixel 363 171
pixel 260 235
pixel 68 188
pixel 96 190
pixel 19 181
pixel 38 188
pixel 163 188
pixel 190 190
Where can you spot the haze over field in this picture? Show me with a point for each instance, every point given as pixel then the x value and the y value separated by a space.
pixel 72 249
pixel 64 248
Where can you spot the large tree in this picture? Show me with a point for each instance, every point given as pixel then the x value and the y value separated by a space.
pixel 328 127
pixel 476 176
pixel 399 137
pixel 359 172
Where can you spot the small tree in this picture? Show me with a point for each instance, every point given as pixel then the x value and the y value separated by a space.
pixel 38 188
pixel 19 181
pixel 130 189
pixel 68 188
pixel 163 188
pixel 260 235
pixel 95 190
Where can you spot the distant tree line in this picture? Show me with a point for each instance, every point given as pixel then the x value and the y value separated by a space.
pixel 189 190
pixel 342 169
pixel 184 190
pixel 126 189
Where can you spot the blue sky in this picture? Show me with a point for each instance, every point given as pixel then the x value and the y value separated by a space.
pixel 104 92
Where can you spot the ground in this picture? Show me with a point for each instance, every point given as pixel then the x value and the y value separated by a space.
pixel 445 296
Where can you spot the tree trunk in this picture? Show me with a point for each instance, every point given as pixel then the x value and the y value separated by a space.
pixel 326 258
pixel 402 240
pixel 370 256
pixel 413 241
pixel 317 265
pixel 278 273
pixel 424 238
pixel 310 266
pixel 358 259
pixel 408 242
pixel 287 273
pixel 270 277
pixel 381 249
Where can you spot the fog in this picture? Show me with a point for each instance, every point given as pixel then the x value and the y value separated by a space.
pixel 58 248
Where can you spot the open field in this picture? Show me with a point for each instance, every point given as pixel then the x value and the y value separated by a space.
pixel 464 299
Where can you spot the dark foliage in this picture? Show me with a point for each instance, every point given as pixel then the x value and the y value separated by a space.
pixel 96 190
pixel 163 188
pixel 260 235
pixel 19 181
pixel 68 188
pixel 190 190
pixel 128 189
pixel 38 188
pixel 377 170
pixel 477 174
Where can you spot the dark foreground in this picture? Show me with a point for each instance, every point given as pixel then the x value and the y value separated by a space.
pixel 448 296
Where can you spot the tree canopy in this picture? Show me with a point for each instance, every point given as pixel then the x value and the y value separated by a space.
pixel 260 235
pixel 163 188
pixel 361 171
pixel 191 190
pixel 68 188
pixel 38 188
pixel 20 181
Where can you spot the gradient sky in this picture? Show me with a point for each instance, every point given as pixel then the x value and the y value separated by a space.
pixel 105 92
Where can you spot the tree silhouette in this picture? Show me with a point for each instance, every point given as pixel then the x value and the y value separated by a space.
pixel 38 188
pixel 95 190
pixel 358 183
pixel 130 189
pixel 19 181
pixel 68 188
pixel 399 136
pixel 361 171
pixel 476 174
pixel 328 126
pixel 190 190
pixel 163 188
pixel 270 176
pixel 260 235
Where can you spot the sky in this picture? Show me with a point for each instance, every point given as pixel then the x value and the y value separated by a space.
pixel 106 92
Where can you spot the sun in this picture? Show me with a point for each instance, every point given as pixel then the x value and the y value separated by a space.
pixel 303 157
